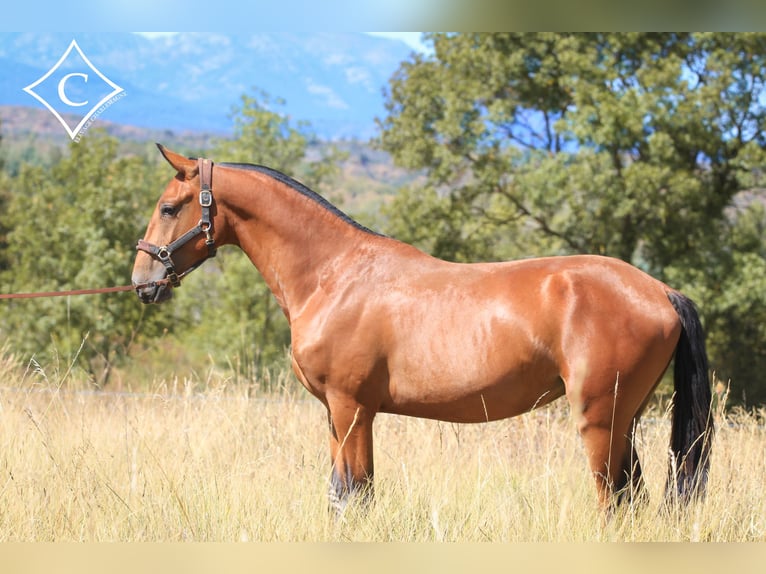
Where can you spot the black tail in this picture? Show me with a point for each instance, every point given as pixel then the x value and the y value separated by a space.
pixel 692 433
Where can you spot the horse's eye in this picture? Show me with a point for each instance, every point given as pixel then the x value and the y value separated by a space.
pixel 167 210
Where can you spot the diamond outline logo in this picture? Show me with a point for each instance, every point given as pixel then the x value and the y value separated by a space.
pixel 73 133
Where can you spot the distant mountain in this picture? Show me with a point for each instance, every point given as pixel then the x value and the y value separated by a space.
pixel 190 81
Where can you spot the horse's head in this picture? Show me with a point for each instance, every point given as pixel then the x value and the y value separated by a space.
pixel 179 236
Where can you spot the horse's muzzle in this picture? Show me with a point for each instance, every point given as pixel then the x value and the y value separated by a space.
pixel 154 293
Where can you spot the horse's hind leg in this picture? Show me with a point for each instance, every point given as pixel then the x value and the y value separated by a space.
pixel 609 445
pixel 605 458
pixel 351 451
pixel 629 485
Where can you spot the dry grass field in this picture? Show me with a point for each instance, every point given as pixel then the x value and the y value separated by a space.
pixel 206 461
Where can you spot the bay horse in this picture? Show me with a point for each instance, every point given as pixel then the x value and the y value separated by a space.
pixel 378 326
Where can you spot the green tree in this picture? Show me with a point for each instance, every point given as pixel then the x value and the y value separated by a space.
pixel 251 331
pixel 4 200
pixel 630 145
pixel 731 290
pixel 71 227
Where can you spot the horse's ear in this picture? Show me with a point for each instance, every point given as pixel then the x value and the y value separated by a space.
pixel 184 165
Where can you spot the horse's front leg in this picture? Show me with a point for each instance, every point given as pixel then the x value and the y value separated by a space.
pixel 351 451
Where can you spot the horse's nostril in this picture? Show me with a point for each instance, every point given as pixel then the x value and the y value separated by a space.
pixel 146 294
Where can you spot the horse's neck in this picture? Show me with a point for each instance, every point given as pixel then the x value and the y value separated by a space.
pixel 289 237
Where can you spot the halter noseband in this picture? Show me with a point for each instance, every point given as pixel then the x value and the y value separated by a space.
pixel 164 253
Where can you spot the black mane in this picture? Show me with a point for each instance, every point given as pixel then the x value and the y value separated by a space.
pixel 300 188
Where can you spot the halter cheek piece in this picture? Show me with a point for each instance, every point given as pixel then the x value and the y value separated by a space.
pixel 164 253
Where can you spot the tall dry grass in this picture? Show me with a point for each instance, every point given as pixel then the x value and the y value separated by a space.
pixel 213 462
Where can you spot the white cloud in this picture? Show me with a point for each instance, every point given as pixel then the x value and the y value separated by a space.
pixel 359 75
pixel 412 39
pixel 331 99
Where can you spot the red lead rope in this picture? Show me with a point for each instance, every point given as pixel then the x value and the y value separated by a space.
pixel 40 294
pixel 66 293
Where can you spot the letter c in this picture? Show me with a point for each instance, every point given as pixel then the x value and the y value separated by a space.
pixel 63 96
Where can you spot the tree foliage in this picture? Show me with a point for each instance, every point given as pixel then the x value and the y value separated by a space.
pixel 4 200
pixel 629 145
pixel 72 227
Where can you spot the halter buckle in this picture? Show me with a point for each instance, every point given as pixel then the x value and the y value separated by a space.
pixel 174 279
pixel 205 198
pixel 163 253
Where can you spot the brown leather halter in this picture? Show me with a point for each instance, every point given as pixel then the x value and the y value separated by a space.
pixel 164 253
